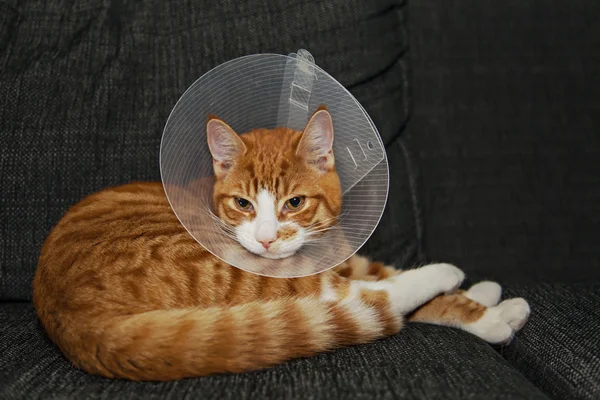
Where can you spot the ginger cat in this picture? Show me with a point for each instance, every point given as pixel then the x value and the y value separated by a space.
pixel 125 292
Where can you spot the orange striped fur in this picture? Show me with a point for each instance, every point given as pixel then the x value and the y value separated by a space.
pixel 125 292
pixel 266 169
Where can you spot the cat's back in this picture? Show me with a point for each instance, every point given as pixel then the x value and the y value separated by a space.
pixel 112 218
pixel 115 246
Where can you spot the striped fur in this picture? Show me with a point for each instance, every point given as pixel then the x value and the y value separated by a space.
pixel 125 292
pixel 266 168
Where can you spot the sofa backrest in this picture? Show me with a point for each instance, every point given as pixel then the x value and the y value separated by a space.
pixel 86 88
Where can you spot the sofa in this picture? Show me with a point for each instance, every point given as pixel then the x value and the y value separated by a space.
pixel 490 113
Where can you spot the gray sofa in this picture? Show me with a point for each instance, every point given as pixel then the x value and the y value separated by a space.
pixel 490 112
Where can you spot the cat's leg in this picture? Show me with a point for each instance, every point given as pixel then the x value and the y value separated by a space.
pixel 477 311
pixel 361 268
pixel 361 311
pixel 405 292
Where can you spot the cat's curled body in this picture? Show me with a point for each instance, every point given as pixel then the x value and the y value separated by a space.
pixel 125 291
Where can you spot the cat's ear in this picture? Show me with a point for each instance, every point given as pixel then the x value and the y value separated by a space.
pixel 225 145
pixel 316 144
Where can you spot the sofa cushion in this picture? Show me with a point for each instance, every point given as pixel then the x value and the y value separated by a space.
pixel 504 125
pixel 86 88
pixel 422 361
pixel 559 348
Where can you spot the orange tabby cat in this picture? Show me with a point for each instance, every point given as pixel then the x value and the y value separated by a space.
pixel 125 291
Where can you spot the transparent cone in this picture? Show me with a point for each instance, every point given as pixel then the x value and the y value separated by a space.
pixel 269 91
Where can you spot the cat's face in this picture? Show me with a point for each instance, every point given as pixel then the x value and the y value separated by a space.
pixel 276 189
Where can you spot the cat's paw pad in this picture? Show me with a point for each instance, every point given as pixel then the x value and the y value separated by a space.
pixel 515 312
pixel 487 293
pixel 447 276
pixel 499 324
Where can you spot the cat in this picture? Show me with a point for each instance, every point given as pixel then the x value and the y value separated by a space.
pixel 125 292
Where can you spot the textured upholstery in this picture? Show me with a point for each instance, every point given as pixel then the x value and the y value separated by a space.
pixel 491 137
pixel 559 349
pixel 422 361
pixel 504 123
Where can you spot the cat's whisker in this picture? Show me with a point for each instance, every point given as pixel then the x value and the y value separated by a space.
pixel 325 229
pixel 337 219
pixel 319 233
pixel 209 212
pixel 326 220
pixel 318 227
pixel 226 229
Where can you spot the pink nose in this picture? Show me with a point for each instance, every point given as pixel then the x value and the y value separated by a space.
pixel 266 243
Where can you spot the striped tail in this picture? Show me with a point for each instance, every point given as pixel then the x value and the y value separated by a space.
pixel 179 343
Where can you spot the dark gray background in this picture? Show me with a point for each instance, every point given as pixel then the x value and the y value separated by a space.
pixel 490 114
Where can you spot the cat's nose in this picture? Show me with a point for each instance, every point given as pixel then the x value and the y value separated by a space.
pixel 266 243
pixel 266 233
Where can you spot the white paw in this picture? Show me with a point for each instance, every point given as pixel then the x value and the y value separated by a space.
pixel 447 276
pixel 515 312
pixel 487 293
pixel 499 324
pixel 415 287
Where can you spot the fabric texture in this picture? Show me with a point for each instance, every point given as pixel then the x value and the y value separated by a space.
pixel 504 123
pixel 559 348
pixel 86 88
pixel 421 362
pixel 501 146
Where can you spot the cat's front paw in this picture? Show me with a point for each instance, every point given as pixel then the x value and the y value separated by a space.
pixel 487 293
pixel 515 312
pixel 447 277
pixel 499 324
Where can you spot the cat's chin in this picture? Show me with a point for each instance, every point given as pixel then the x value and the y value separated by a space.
pixel 277 256
pixel 272 255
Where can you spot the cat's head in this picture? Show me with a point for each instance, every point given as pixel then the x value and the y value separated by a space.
pixel 276 189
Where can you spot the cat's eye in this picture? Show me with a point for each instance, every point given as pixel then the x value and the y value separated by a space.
pixel 243 204
pixel 294 203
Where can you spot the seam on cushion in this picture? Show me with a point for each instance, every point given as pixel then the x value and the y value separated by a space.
pixel 391 8
pixel 521 352
pixel 402 14
pixel 399 9
pixel 411 170
pixel 403 60
pixel 382 71
pixel 411 173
